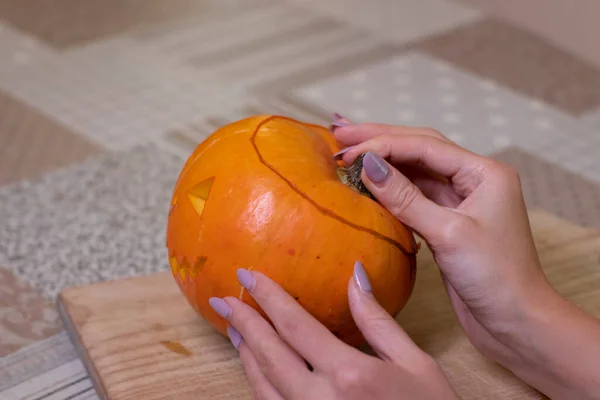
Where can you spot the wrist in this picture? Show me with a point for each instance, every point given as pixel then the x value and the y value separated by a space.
pixel 535 315
pixel 552 345
pixel 516 321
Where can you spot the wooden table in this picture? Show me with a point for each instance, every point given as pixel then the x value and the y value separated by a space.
pixel 140 340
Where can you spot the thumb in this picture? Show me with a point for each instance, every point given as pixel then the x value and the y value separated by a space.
pixel 402 198
pixel 378 327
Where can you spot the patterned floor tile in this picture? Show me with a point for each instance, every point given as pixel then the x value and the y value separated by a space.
pixel 415 89
pixel 68 381
pixel 571 25
pixel 32 144
pixel 116 94
pixel 593 119
pixel 258 45
pixel 17 49
pixel 522 62
pixel 25 315
pixel 102 219
pixel 134 88
pixel 398 20
pixel 554 189
pixel 35 359
pixel 577 153
pixel 65 23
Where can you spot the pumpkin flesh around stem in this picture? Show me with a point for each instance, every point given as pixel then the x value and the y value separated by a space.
pixel 264 193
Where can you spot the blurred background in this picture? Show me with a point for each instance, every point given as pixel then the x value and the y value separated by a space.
pixel 101 101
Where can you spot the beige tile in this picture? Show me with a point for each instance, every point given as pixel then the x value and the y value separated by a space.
pixel 65 23
pixel 547 186
pixel 400 21
pixel 572 25
pixel 522 62
pixel 31 143
pixel 25 316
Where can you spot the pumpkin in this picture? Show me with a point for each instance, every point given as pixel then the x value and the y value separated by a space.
pixel 265 193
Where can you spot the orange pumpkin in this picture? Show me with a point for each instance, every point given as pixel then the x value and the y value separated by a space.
pixel 265 193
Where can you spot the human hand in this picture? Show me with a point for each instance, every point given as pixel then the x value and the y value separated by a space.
pixel 471 212
pixel 275 358
pixel 468 208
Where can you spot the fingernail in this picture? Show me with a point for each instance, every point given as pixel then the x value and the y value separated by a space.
pixel 234 336
pixel 375 167
pixel 341 152
pixel 220 306
pixel 361 277
pixel 340 124
pixel 246 279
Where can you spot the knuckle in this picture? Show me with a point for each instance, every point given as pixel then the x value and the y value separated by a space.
pixel 506 175
pixel 504 170
pixel 456 228
pixel 404 195
pixel 374 319
pixel 511 174
pixel 477 172
pixel 349 377
pixel 240 317
pixel 266 361
pixel 287 326
pixel 381 145
pixel 435 133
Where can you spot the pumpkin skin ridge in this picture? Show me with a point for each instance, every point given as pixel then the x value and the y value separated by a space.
pixel 323 210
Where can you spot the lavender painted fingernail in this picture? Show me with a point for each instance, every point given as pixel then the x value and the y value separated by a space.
pixel 342 152
pixel 235 337
pixel 340 124
pixel 361 277
pixel 246 279
pixel 220 306
pixel 375 167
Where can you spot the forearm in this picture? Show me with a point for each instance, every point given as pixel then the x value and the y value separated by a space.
pixel 557 350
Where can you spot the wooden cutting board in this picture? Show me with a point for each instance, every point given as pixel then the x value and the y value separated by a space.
pixel 139 338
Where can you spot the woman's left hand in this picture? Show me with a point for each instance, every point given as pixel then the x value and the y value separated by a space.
pixel 275 358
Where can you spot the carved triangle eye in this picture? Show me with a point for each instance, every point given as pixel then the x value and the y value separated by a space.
pixel 199 194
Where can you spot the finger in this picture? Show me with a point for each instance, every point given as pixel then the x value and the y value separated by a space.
pixel 286 371
pixel 307 336
pixel 353 134
pixel 438 156
pixel 403 199
pixel 435 187
pixel 338 122
pixel 261 387
pixel 440 191
pixel 378 327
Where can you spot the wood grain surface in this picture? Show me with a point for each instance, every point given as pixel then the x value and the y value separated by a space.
pixel 140 339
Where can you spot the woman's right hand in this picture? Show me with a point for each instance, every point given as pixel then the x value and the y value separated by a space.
pixel 471 212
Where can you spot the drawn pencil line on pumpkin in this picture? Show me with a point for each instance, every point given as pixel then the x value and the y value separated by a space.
pixel 323 210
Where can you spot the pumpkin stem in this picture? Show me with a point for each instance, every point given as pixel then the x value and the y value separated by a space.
pixel 350 176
